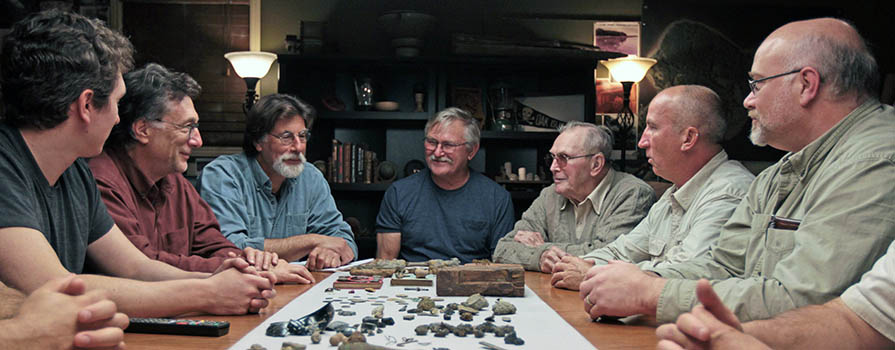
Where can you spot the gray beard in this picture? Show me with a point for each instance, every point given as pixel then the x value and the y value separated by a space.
pixel 289 171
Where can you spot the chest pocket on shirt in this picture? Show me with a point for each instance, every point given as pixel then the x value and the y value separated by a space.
pixel 778 243
pixel 657 247
pixel 474 236
pixel 290 225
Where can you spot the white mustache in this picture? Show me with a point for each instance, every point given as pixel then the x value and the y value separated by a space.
pixel 294 156
pixel 441 159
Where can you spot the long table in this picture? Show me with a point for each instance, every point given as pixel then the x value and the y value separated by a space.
pixel 640 335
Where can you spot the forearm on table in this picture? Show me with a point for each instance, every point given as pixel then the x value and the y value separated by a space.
pixel 811 327
pixel 512 252
pixel 154 299
pixel 292 248
pixel 148 270
pixel 10 301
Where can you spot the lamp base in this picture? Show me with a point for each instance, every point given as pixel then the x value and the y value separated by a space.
pixel 251 96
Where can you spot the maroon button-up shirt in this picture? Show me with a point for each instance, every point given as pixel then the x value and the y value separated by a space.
pixel 166 220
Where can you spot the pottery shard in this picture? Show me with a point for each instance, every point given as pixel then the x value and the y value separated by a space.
pixel 503 308
pixel 377 311
pixel 464 308
pixel 476 301
pixel 292 346
pixel 357 337
pixel 337 339
pixel 426 304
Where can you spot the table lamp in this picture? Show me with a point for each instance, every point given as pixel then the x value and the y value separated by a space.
pixel 627 70
pixel 251 66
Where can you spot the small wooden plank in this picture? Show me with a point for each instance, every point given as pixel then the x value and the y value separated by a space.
pixel 421 282
pixel 492 279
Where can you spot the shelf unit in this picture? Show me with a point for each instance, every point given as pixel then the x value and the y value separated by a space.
pixel 396 136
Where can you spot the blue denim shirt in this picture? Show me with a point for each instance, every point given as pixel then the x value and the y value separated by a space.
pixel 240 193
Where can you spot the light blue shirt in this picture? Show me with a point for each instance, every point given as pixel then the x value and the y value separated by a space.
pixel 240 193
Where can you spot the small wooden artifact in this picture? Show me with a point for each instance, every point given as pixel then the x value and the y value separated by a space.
pixel 492 279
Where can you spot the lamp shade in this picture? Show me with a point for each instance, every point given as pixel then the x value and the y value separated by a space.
pixel 630 68
pixel 251 64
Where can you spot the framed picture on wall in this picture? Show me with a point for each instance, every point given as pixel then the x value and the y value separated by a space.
pixel 470 100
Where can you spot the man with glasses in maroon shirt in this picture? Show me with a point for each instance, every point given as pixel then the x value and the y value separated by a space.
pixel 588 206
pixel 139 177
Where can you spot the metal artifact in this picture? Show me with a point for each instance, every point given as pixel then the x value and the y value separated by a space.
pixel 305 325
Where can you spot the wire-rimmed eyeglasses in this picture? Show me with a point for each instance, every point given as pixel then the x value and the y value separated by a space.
pixel 562 159
pixel 448 147
pixel 753 84
pixel 287 138
pixel 183 128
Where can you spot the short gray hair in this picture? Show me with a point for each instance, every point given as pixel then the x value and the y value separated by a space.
pixel 472 134
pixel 700 107
pixel 598 138
pixel 847 67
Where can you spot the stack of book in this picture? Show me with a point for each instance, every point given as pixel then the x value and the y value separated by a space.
pixel 351 163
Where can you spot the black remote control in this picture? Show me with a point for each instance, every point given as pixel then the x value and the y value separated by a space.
pixel 178 326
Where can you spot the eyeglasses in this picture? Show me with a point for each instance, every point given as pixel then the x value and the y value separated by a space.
pixel 753 84
pixel 287 138
pixel 447 147
pixel 563 159
pixel 186 129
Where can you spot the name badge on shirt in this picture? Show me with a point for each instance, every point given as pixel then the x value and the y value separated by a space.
pixel 784 223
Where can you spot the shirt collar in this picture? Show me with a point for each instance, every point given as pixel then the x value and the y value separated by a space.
pixel 598 195
pixel 137 178
pixel 262 181
pixel 685 195
pixel 815 152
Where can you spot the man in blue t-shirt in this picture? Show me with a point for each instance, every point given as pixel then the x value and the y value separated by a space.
pixel 445 211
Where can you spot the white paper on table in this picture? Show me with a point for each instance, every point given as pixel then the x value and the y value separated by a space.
pixel 535 322
pixel 340 268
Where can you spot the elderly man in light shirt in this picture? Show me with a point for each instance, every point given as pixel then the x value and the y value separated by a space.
pixel 684 128
pixel 588 206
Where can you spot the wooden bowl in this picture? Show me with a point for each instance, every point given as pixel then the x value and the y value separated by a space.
pixel 386 106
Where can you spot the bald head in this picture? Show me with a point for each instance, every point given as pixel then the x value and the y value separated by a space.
pixel 833 47
pixel 696 106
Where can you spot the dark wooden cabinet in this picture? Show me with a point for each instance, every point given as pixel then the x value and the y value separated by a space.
pixel 396 136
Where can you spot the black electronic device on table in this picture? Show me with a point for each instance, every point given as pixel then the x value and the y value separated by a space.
pixel 178 326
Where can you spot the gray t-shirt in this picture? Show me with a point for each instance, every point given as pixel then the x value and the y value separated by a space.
pixel 438 224
pixel 70 214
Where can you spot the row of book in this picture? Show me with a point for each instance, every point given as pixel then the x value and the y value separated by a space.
pixel 351 163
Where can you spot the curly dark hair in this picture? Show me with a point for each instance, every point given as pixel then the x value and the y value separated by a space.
pixel 149 91
pixel 265 114
pixel 49 58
